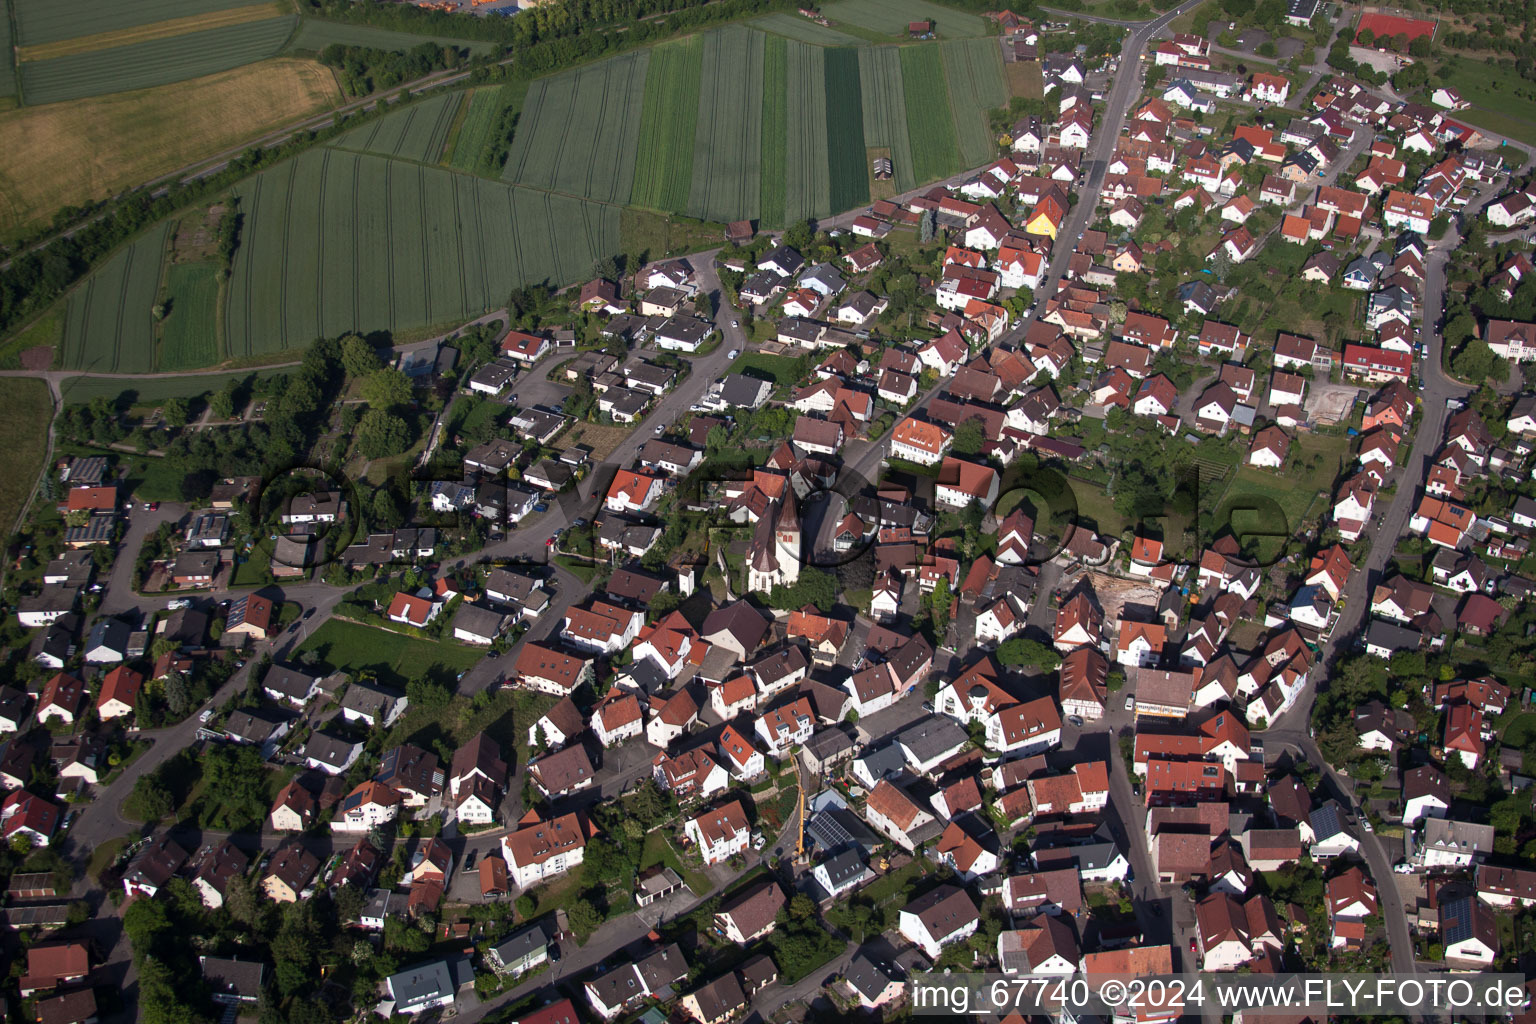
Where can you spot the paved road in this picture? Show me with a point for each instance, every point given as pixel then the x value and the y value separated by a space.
pixel 1390 524
pixel 101 820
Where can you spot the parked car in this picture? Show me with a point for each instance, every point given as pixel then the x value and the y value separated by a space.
pixel 1130 703
pixel 733 353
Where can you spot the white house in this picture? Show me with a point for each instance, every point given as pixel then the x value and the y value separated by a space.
pixel 719 832
pixel 940 918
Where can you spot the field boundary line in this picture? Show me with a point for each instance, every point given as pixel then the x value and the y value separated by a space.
pixel 357 247
pixel 458 248
pixel 93 42
pixel 282 288
pixel 162 293
pixel 389 237
pixel 325 169
pixel 426 246
pixel 122 307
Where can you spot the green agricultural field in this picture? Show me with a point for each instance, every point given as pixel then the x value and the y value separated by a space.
pixel 49 21
pixel 728 142
pixel 973 70
pixel 930 123
pixel 469 150
pixel 891 17
pixel 23 442
pixel 418 132
pixel 337 241
pixel 663 169
pixel 885 110
pixel 792 26
pixel 315 35
pixel 578 133
pixel 7 58
pixel 109 320
pixel 775 130
pixel 189 336
pixel 847 174
pixel 807 191
pixel 154 62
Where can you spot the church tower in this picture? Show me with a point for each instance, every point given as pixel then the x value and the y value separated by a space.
pixel 786 535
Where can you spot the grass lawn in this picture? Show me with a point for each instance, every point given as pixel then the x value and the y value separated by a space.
pixel 394 659
pixel 256 569
pixel 149 391
pixel 61 154
pixel 779 369
pixel 1519 729
pixel 551 897
pixel 1312 469
pixel 151 478
pixel 581 570
pixel 656 235
pixel 104 856
pixel 1502 101
pixel 658 849
pixel 23 442
pixel 1096 508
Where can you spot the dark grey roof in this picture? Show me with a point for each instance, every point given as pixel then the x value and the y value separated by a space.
pixel 329 750
pixel 618 986
pixel 868 976
pixel 252 726
pixel 828 743
pixel 522 943
pixel 688 329
pixel 289 682
pixel 1393 637
pixel 663 968
pixel 887 760
pixel 230 976
pixel 367 699
pixel 1326 821
pixel 836 827
pixel 784 257
pixel 739 390
pixel 110 633
pixel 478 621
pixel 931 736
pixel 844 867
pixel 420 984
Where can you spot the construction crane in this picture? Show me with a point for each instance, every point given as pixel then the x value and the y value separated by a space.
pixel 800 855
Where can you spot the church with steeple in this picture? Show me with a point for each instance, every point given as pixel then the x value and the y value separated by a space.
pixel 774 559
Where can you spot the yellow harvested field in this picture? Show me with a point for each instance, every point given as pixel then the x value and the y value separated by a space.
pixel 64 154
pixel 154 30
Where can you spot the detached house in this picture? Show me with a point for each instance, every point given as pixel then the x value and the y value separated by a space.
pixel 940 918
